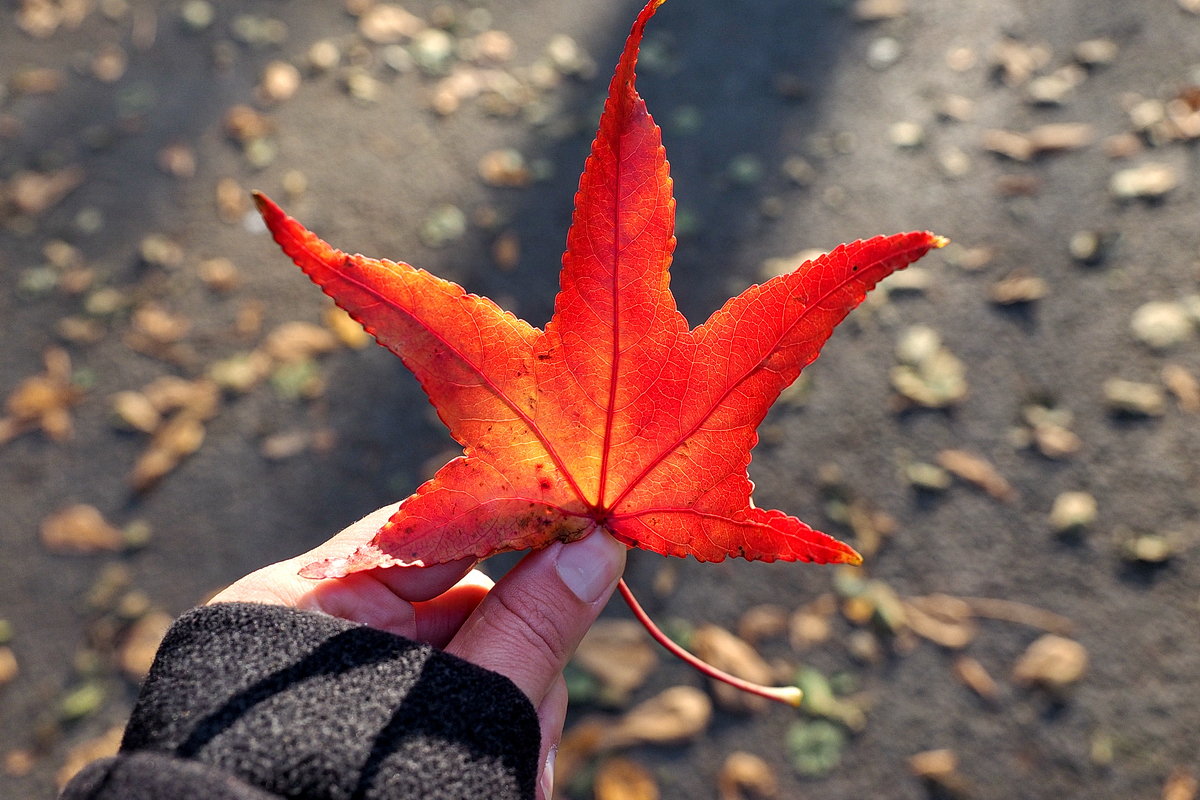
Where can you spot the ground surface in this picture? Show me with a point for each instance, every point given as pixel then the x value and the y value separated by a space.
pixel 739 87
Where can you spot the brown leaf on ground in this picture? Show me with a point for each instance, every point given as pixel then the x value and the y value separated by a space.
pixel 726 652
pixel 1181 783
pixel 762 622
pixel 85 753
pixel 941 619
pixel 1052 662
pixel 976 678
pixel 677 715
pixel 1020 613
pixel 34 192
pixel 940 768
pixel 79 528
pixel 1184 385
pixel 976 470
pixel 746 775
pixel 43 401
pixel 622 779
pixel 618 654
pixel 141 644
pixel 294 342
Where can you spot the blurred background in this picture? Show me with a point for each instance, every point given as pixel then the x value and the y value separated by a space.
pixel 1009 430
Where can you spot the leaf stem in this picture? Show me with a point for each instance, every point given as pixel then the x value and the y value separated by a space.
pixel 780 694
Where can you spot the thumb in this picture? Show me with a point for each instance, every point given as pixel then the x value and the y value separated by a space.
pixel 528 626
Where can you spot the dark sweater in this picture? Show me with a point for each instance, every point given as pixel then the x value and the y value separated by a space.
pixel 258 702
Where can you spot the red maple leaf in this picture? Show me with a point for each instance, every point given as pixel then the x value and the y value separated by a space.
pixel 617 415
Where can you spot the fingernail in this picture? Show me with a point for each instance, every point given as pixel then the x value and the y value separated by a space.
pixel 591 566
pixel 548 774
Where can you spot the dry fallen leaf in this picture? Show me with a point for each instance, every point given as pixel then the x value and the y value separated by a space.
pixel 295 342
pixel 622 779
pixel 619 655
pixel 976 470
pixel 762 622
pixel 141 644
pixel 86 752
pixel 726 652
pixel 43 401
pixel 976 678
pixel 1181 783
pixel 79 528
pixel 1052 662
pixel 941 619
pixel 940 768
pixel 746 775
pixel 677 715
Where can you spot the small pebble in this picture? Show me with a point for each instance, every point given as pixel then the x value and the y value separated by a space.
pixel 362 86
pixel 282 446
pixel 433 50
pixel 322 56
pixel 1018 287
pixel 883 52
pixel 906 134
pixel 495 47
pixel 1149 548
pixel 446 223
pixel 178 160
pixel 1072 511
pixel 219 274
pixel 745 169
pixel 279 81
pixel 1096 52
pixel 961 59
pixel 1161 325
pixel 930 477
pixel 1053 89
pixel 917 345
pixel 109 63
pixel 953 161
pixel 799 171
pixel 295 183
pixel 504 168
pixel 386 23
pixel 1085 247
pixel 1018 61
pixel 240 373
pixel 506 251
pixel 197 15
pixel 1135 399
pixel 1152 180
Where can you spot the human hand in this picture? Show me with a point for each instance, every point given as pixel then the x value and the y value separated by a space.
pixel 525 627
